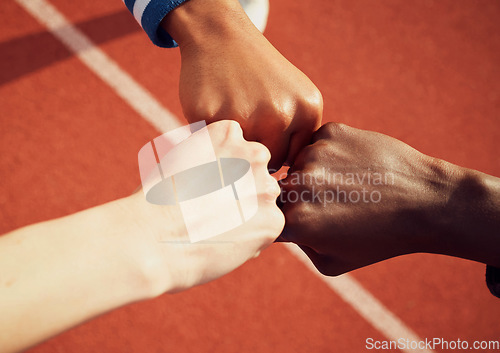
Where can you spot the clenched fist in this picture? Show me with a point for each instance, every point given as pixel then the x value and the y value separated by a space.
pixel 230 71
pixel 174 264
pixel 356 197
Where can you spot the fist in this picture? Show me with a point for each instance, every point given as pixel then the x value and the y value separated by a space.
pixel 236 74
pixel 178 264
pixel 355 197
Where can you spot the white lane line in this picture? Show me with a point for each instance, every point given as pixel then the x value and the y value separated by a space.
pixel 371 309
pixel 350 290
pixel 102 65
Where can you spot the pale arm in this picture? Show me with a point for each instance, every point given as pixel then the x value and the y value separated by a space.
pixel 57 274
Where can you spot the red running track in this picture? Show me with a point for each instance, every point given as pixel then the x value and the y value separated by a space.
pixel 425 72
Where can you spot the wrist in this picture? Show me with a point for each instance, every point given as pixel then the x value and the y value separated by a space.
pixel 148 229
pixel 199 22
pixel 120 228
pixel 467 221
pixel 69 270
pixel 445 181
pixel 423 213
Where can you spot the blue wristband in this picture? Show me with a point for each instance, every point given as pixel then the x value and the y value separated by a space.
pixel 149 14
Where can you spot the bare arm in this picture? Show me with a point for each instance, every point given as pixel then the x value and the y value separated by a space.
pixel 57 274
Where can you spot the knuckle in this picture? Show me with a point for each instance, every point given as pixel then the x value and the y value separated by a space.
pixel 201 111
pixel 285 114
pixel 315 101
pixel 331 129
pixel 272 187
pixel 278 215
pixel 278 220
pixel 310 109
pixel 338 127
pixel 233 129
pixel 259 152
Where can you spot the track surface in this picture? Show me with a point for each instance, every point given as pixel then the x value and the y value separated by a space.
pixel 426 73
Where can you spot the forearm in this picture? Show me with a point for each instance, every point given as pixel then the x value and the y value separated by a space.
pixel 57 274
pixel 469 224
pixel 201 21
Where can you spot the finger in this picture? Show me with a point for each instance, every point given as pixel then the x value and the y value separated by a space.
pixel 305 156
pixel 224 132
pixel 310 252
pixel 285 235
pixel 282 238
pixel 258 152
pixel 278 145
pixel 284 185
pixel 326 131
pixel 333 131
pixel 298 141
pixel 279 201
